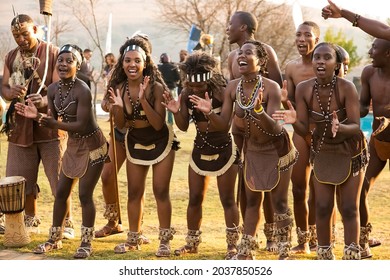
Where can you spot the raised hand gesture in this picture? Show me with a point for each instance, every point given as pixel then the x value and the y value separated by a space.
pixel 142 88
pixel 287 116
pixel 335 124
pixel 115 98
pixel 202 104
pixel 284 92
pixel 170 103
pixel 28 111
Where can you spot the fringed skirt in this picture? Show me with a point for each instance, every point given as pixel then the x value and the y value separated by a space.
pixel 263 163
pixel 82 151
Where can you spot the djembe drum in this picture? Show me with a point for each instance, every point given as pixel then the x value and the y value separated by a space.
pixel 12 199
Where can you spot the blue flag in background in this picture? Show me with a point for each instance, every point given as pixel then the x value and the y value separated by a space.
pixel 193 38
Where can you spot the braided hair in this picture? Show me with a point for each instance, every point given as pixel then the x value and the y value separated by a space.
pixel 200 62
pixel 261 54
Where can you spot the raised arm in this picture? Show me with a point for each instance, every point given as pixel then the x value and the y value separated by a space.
pixel 373 27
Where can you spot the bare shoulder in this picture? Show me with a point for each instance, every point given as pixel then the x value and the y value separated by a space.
pixel 294 62
pixel 270 84
pixel 305 87
pixel 231 87
pixel 346 85
pixel 369 71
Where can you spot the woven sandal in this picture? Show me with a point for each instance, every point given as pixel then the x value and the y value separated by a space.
pixel 82 252
pixel 47 247
pixel 164 250
pixel 125 247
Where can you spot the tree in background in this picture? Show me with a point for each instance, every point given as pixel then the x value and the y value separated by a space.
pixel 85 12
pixel 275 28
pixel 341 40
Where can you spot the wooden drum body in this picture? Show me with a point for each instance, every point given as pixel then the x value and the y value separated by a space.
pixel 12 200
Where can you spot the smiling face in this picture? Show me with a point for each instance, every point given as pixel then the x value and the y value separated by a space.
pixel 133 65
pixel 248 60
pixel 66 66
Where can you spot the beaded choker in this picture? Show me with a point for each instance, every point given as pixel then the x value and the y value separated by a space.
pixel 325 85
pixel 251 80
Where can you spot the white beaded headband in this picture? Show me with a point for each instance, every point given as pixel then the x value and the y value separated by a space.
pixel 136 48
pixel 70 49
pixel 199 77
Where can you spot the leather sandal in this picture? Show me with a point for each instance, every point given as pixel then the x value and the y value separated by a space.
pixel 164 250
pixel 373 242
pixel 107 231
pixel 47 247
pixel 83 252
pixel 125 247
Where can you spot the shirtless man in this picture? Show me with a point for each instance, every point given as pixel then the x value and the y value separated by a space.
pixel 298 70
pixel 375 80
pixel 242 27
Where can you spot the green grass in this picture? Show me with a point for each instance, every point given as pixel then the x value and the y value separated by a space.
pixel 213 226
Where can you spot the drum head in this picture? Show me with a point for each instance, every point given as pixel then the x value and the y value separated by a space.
pixel 11 180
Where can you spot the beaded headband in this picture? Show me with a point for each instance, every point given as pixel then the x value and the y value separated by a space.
pixel 136 48
pixel 199 77
pixel 17 25
pixel 71 49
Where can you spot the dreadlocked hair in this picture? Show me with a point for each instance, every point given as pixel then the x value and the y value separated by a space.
pixel 200 62
pixel 119 76
pixel 261 54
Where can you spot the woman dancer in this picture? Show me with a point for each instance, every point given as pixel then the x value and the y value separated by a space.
pixel 338 150
pixel 70 109
pixel 213 154
pixel 268 153
pixel 136 95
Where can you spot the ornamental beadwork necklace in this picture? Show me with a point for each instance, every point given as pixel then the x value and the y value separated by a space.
pixel 326 113
pixel 135 106
pixel 203 135
pixel 61 109
pixel 241 98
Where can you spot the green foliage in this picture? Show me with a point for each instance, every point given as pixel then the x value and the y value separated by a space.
pixel 348 44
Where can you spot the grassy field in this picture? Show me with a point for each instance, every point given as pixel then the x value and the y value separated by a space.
pixel 213 227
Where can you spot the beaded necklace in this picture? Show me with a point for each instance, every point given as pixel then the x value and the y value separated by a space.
pixel 135 106
pixel 240 96
pixel 326 113
pixel 251 80
pixel 204 135
pixel 61 109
